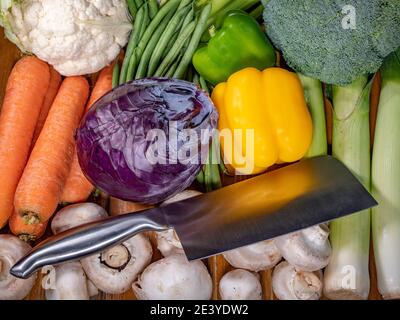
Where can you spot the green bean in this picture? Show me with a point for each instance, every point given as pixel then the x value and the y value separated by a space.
pixel 171 70
pixel 257 12
pixel 170 44
pixel 184 3
pixel 132 8
pixel 188 19
pixel 134 60
pixel 194 42
pixel 196 79
pixel 170 29
pixel 133 41
pixel 203 85
pixel 200 178
pixel 115 78
pixel 153 8
pixel 146 21
pixel 207 173
pixel 215 174
pixel 138 3
pixel 176 48
pixel 144 61
pixel 171 5
pixel 221 165
pixel 132 67
pixel 189 75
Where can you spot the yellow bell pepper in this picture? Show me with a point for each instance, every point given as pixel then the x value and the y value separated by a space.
pixel 269 104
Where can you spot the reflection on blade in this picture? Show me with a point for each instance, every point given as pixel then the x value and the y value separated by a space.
pixel 310 192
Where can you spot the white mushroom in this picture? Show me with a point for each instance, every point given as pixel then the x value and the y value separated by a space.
pixel 76 215
pixel 167 241
pixel 240 284
pixel 263 255
pixel 289 284
pixel 306 250
pixel 11 250
pixel 114 270
pixel 174 278
pixel 66 282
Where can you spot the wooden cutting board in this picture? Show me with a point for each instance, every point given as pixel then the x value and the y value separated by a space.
pixel 9 54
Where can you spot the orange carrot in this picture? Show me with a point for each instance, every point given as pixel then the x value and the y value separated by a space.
pixel 78 188
pixel 24 96
pixel 40 188
pixel 26 232
pixel 102 86
pixel 55 81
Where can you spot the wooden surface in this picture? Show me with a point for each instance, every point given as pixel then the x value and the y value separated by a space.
pixel 9 54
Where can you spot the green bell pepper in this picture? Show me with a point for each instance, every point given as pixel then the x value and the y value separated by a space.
pixel 240 43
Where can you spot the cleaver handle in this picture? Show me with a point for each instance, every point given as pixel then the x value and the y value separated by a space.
pixel 87 240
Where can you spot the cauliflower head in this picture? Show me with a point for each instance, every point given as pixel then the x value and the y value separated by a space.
pixel 77 37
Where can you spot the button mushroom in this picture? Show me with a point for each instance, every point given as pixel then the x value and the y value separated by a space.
pixel 167 241
pixel 289 284
pixel 174 278
pixel 66 282
pixel 306 250
pixel 240 284
pixel 113 270
pixel 260 256
pixel 11 250
pixel 76 215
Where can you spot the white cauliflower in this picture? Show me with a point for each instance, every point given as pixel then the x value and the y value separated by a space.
pixel 77 37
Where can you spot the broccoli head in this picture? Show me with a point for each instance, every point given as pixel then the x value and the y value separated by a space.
pixel 335 41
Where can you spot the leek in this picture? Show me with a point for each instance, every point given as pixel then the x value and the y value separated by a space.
pixel 347 275
pixel 314 96
pixel 386 181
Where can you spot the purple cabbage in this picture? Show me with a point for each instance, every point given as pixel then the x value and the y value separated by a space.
pixel 113 142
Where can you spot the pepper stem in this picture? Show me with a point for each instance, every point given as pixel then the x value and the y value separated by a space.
pixel 212 31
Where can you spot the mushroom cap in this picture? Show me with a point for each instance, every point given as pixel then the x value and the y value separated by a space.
pixel 240 284
pixel 67 283
pixel 289 284
pixel 174 278
pixel 113 280
pixel 167 241
pixel 13 249
pixel 76 215
pixel 263 255
pixel 306 250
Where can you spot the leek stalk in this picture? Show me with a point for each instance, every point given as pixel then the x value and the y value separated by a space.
pixel 386 181
pixel 347 275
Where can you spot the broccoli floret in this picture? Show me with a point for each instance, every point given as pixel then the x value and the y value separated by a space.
pixel 314 42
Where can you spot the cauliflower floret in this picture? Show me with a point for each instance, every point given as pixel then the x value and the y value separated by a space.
pixel 77 37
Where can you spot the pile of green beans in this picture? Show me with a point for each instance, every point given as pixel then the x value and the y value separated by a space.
pixel 163 40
